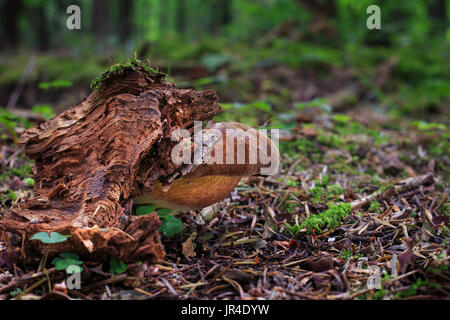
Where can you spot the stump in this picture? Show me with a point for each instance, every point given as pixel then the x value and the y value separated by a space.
pixel 93 158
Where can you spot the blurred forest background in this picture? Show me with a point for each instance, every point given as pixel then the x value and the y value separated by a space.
pixel 277 52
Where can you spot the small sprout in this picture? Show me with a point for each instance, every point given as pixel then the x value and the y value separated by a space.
pixel 294 229
pixel 29 181
pixel 12 195
pixel 117 266
pixel 68 261
pixel 374 206
pixel 54 237
pixel 163 212
pixel 15 292
pixel 143 210
pixel 170 225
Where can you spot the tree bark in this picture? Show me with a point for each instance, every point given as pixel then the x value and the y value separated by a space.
pixel 93 158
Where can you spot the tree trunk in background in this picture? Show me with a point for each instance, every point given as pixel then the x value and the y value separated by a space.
pixel 42 29
pixel 220 14
pixel 181 16
pixel 100 17
pixel 10 11
pixel 437 10
pixel 126 15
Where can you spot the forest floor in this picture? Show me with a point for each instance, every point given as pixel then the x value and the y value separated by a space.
pixel 358 210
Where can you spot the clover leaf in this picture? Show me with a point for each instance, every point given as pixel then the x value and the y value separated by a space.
pixel 54 237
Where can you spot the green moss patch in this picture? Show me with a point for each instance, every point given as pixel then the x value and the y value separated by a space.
pixel 118 69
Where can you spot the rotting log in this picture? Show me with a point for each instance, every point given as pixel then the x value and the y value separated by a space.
pixel 93 158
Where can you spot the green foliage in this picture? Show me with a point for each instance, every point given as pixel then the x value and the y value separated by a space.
pixel 11 121
pixel 294 229
pixel 117 266
pixel 43 109
pixel 304 148
pixel 15 292
pixel 54 237
pixel 29 181
pixel 374 206
pixel 170 225
pixel 330 218
pixel 12 195
pixel 55 84
pixel 383 189
pixel 416 287
pixel 214 61
pixel 342 118
pixel 292 183
pixel 68 261
pixel 246 113
pixel 323 190
pixel 426 126
pixel 146 209
pixel 345 254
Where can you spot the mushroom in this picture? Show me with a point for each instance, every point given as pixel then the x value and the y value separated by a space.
pixel 229 151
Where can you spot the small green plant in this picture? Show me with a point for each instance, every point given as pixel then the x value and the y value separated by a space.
pixel 15 292
pixel 345 254
pixel 330 218
pixel 29 181
pixel 12 195
pixel 12 121
pixel 342 118
pixel 383 189
pixel 69 262
pixel 294 229
pixel 146 209
pixel 323 190
pixel 43 109
pixel 292 183
pixel 55 84
pixel 170 225
pixel 374 206
pixel 415 288
pixel 54 237
pixel 117 266
pixel 320 103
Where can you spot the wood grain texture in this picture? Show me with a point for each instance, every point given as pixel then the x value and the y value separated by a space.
pixel 93 158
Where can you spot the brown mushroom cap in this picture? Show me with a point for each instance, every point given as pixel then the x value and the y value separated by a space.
pixel 230 151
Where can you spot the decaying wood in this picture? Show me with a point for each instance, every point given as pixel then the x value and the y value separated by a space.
pixel 93 158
